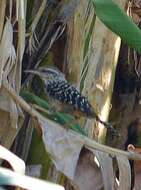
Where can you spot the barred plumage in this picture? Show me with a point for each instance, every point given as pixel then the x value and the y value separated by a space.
pixel 65 93
pixel 58 88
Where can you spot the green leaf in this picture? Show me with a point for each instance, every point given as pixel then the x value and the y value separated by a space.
pixel 62 118
pixel 116 19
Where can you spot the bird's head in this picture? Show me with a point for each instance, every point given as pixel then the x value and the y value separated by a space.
pixel 48 73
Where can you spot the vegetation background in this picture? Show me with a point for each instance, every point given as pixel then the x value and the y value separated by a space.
pixel 70 35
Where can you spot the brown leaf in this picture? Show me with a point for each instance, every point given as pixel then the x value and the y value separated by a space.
pixel 63 146
pixel 124 173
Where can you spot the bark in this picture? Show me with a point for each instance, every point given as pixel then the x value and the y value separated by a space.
pixel 99 61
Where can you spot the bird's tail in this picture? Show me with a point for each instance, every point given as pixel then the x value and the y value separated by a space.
pixel 107 125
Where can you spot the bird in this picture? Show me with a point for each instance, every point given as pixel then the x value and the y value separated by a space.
pixel 59 89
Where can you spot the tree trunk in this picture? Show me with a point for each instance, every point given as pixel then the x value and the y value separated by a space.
pixel 93 54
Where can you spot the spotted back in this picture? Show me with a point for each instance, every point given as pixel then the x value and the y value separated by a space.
pixel 65 93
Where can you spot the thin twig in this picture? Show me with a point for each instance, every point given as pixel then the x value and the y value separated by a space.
pixel 112 151
pixel 39 108
pixel 25 106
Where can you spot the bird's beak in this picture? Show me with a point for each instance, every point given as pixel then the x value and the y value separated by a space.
pixel 35 72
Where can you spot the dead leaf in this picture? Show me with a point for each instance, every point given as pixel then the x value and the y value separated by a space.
pixel 106 164
pixel 124 173
pixel 63 146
